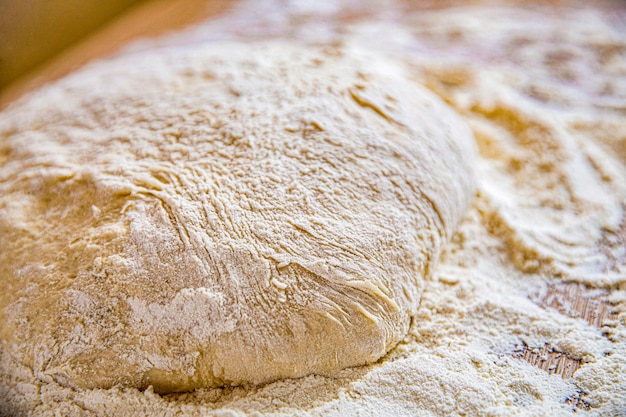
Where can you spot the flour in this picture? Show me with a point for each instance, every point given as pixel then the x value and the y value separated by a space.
pixel 545 100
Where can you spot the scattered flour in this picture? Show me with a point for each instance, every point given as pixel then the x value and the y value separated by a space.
pixel 544 93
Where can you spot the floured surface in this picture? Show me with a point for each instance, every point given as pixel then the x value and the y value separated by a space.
pixel 544 94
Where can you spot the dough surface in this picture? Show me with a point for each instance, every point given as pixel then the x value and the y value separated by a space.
pixel 220 215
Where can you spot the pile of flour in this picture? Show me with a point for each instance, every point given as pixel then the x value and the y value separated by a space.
pixel 543 92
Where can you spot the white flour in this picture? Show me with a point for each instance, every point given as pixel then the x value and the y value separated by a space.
pixel 544 92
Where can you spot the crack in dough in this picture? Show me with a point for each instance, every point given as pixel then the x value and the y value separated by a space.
pixel 225 214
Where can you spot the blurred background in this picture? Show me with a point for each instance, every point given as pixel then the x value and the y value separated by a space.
pixel 42 40
pixel 32 31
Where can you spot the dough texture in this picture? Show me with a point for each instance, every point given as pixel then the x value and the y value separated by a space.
pixel 223 214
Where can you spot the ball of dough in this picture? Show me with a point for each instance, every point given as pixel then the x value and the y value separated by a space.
pixel 225 214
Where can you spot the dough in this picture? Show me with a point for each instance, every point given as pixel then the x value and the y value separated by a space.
pixel 225 214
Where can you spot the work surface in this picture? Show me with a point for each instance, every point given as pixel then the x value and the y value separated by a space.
pixel 515 240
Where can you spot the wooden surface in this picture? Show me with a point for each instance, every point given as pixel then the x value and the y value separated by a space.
pixel 156 17
pixel 581 302
pixel 32 31
pixel 576 301
pixel 572 300
pixel 147 19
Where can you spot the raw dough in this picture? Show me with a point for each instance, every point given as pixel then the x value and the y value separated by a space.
pixel 222 215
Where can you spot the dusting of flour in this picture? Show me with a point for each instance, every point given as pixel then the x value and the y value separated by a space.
pixel 544 93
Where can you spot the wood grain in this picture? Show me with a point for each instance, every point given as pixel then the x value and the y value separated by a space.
pixel 573 300
pixel 548 359
pixel 578 301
